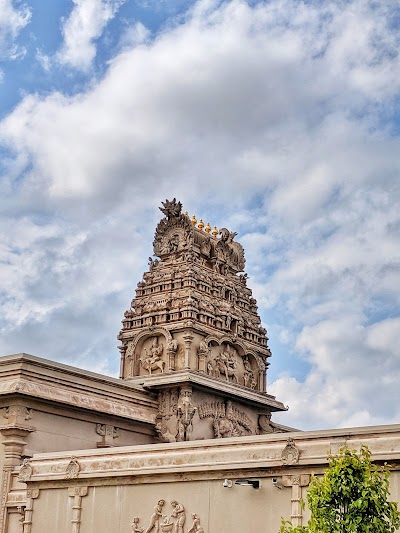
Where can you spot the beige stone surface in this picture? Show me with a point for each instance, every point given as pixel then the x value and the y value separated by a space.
pixel 119 484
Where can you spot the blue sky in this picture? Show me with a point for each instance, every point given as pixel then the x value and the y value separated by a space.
pixel 278 120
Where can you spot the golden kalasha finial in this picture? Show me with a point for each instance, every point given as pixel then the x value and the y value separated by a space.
pixel 201 225
pixel 193 220
pixel 207 229
pixel 214 231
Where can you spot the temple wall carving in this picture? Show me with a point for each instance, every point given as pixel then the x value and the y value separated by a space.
pixel 182 488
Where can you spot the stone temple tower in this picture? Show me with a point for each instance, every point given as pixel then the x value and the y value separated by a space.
pixel 193 335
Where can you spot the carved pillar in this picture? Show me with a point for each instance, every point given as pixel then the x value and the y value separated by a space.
pixel 122 350
pixel 77 494
pixel 172 347
pixel 296 482
pixel 188 338
pixel 14 433
pixel 31 494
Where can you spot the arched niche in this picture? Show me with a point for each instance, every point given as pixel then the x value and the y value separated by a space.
pixel 230 360
pixel 147 352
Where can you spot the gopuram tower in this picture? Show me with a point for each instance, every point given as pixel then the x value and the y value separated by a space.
pixel 193 336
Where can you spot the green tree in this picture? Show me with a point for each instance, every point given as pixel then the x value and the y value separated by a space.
pixel 351 497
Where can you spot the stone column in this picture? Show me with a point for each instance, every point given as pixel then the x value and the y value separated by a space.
pixel 15 433
pixel 296 482
pixel 77 493
pixel 188 339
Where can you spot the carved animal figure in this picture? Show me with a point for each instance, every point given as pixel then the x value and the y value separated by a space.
pixel 151 359
pixel 226 365
pixel 147 365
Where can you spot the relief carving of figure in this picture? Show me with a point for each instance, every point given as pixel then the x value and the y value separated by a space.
pixel 156 517
pixel 180 515
pixel 226 363
pixel 196 527
pixel 248 376
pixel 135 526
pixel 185 413
pixel 172 345
pixel 151 359
pixel 163 432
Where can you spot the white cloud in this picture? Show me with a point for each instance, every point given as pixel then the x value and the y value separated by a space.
pixel 14 16
pixel 353 381
pixel 80 30
pixel 274 121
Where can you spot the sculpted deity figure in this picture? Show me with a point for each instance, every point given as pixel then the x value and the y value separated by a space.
pixel 151 358
pixel 248 376
pixel 180 515
pixel 184 413
pixel 172 345
pixel 156 517
pixel 196 527
pixel 226 363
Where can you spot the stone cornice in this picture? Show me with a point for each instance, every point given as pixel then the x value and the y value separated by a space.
pixel 233 391
pixel 32 376
pixel 261 453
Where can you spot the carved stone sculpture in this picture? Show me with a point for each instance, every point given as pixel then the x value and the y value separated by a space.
pixel 172 347
pixel 185 413
pixel 156 517
pixel 168 523
pixel 164 433
pixel 25 472
pixel 171 208
pixel 151 358
pixel 227 363
pixel 227 421
pixel 135 526
pixel 179 514
pixel 196 527
pixel 290 454
pixel 73 468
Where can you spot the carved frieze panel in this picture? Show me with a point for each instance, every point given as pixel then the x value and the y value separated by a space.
pixel 168 521
pixel 227 420
pixel 168 403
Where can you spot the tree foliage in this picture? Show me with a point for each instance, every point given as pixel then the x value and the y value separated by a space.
pixel 351 497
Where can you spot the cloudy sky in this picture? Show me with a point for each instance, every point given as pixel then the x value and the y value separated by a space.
pixel 278 119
